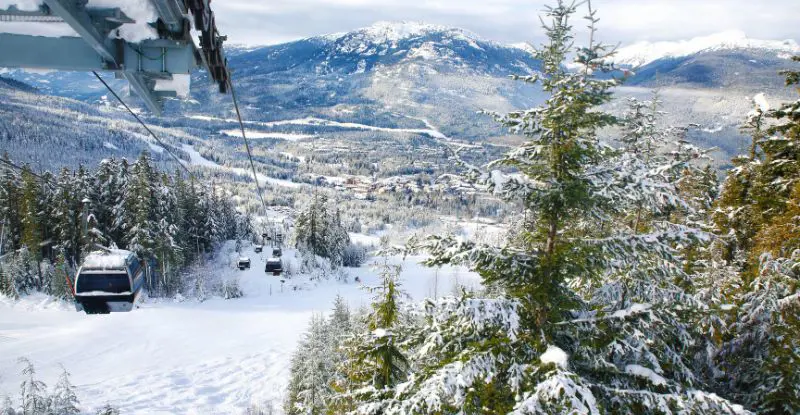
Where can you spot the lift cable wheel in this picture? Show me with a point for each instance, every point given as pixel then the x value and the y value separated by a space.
pixel 163 145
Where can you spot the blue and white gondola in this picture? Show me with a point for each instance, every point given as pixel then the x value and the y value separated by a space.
pixel 108 282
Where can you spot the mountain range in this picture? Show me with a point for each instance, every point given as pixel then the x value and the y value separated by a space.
pixel 399 79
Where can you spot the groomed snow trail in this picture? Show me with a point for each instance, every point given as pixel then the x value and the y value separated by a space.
pixel 185 358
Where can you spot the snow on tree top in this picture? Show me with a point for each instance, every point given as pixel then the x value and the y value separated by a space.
pixel 761 100
pixel 112 259
pixel 645 373
pixel 642 53
pixel 554 355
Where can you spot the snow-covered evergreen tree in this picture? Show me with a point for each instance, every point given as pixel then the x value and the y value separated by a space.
pixel 591 318
pixel 33 392
pixel 107 409
pixel 313 376
pixel 319 230
pixel 312 371
pixel 63 400
pixel 7 407
pixel 375 361
pixel 140 201
pixel 757 357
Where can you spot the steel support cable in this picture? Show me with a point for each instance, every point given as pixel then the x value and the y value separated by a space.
pixel 17 167
pixel 163 145
pixel 246 143
pixel 13 166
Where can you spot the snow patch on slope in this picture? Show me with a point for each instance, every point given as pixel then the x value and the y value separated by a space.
pixel 642 53
pixel 253 134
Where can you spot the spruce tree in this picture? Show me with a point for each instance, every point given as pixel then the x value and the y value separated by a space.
pixel 30 214
pixel 8 407
pixel 140 203
pixel 319 230
pixel 63 400
pixel 567 335
pixel 10 218
pixel 312 370
pixel 376 362
pixel 33 396
pixel 759 353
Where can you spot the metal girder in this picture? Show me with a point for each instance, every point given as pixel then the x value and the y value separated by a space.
pixel 79 19
pixel 59 53
pixel 171 13
pixel 73 54
pixel 141 64
pixel 145 89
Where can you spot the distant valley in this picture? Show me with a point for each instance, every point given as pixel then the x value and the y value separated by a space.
pixel 380 102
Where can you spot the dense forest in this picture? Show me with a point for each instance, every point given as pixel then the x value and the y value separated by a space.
pixel 51 222
pixel 631 281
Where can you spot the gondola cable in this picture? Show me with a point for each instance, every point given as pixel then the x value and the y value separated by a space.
pixel 43 179
pixel 247 144
pixel 163 145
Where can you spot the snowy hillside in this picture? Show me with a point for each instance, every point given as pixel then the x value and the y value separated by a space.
pixel 170 357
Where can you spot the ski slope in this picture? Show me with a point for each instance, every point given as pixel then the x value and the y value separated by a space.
pixel 190 358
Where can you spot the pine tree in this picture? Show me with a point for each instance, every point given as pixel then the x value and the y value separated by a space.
pixel 63 400
pixel 736 216
pixel 122 215
pixel 759 355
pixel 140 202
pixel 312 369
pixel 67 213
pixel 319 230
pixel 33 392
pixel 108 410
pixel 376 362
pixel 568 335
pixel 10 218
pixel 8 407
pixel 60 282
pixel 30 213
pixel 7 286
pixel 761 358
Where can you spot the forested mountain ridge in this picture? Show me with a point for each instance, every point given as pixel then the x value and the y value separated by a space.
pixel 411 76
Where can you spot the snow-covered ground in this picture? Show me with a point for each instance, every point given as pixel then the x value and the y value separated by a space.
pixel 196 159
pixel 191 358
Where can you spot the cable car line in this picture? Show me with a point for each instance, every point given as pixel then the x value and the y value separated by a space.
pixel 246 144
pixel 163 145
pixel 22 169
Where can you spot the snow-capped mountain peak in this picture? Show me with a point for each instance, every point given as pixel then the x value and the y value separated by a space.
pixel 385 31
pixel 642 53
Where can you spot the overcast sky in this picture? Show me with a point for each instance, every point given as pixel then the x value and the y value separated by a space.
pixel 258 22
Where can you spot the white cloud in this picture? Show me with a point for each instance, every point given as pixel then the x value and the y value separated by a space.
pixel 626 21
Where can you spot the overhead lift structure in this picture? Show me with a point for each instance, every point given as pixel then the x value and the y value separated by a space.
pixel 151 66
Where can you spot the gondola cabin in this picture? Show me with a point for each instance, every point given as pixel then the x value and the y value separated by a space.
pixel 109 281
pixel 274 266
